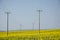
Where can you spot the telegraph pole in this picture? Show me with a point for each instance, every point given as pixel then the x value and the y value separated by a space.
pixel 39 19
pixel 20 26
pixel 32 26
pixel 7 23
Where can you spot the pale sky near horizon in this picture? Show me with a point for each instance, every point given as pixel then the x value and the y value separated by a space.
pixel 23 13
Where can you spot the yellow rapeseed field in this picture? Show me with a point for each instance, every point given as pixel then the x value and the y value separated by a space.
pixel 31 35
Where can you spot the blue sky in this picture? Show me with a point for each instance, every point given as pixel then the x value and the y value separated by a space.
pixel 23 13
